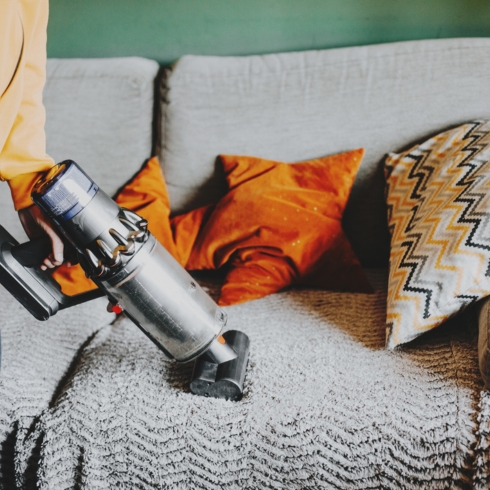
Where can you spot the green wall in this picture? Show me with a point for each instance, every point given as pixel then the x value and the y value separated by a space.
pixel 166 29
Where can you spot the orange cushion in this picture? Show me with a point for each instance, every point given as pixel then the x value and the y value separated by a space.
pixel 146 194
pixel 279 225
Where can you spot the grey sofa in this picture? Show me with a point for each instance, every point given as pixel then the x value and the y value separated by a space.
pixel 86 401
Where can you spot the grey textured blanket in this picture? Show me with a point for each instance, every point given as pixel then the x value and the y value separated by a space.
pixel 87 404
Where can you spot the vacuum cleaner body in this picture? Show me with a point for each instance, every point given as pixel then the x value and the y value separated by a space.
pixel 137 274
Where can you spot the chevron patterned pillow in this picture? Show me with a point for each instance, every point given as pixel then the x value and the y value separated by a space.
pixel 438 197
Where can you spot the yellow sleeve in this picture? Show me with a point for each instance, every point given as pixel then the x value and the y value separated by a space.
pixel 22 136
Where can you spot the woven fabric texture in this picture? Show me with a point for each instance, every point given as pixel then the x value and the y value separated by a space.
pixel 37 359
pixel 438 214
pixel 325 406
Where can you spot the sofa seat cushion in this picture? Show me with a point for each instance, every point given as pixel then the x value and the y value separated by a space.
pixel 325 406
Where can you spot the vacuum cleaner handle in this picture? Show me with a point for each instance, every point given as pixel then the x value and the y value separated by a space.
pixel 32 254
pixel 35 289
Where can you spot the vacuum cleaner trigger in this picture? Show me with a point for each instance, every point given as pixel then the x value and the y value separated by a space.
pixel 222 379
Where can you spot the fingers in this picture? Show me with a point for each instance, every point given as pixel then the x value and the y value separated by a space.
pixel 35 224
pixel 56 258
pixel 48 263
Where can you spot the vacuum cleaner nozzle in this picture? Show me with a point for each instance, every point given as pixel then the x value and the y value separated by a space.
pixel 223 380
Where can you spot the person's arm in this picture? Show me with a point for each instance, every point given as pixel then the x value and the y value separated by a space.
pixel 22 137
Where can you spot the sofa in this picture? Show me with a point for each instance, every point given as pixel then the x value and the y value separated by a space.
pixel 87 401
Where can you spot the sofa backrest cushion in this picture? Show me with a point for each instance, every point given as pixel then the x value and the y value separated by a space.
pixel 99 113
pixel 298 106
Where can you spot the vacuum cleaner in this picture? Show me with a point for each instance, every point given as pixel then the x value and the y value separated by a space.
pixel 137 274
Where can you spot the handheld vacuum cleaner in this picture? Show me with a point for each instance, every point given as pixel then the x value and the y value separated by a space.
pixel 136 273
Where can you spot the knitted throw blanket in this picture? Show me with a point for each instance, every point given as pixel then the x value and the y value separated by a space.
pixel 91 405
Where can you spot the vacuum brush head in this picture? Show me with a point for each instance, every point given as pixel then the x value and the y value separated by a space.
pixel 223 379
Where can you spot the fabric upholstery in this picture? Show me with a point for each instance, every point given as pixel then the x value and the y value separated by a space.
pixel 99 113
pixel 37 359
pixel 297 106
pixel 325 406
pixel 438 213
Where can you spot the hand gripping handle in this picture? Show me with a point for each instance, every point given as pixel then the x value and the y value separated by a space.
pixel 32 254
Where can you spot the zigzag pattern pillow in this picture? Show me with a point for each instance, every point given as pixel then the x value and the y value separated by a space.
pixel 438 196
